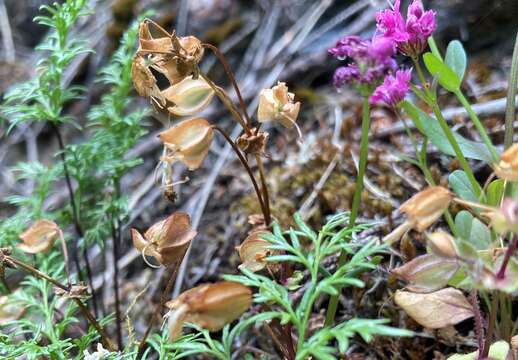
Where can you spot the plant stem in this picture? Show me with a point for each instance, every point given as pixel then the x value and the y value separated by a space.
pixel 245 164
pixel 510 251
pixel 479 326
pixel 225 99
pixel 510 110
pixel 75 217
pixel 482 131
pixel 156 313
pixel 264 188
pixel 115 252
pixel 232 79
pixel 364 147
pixel 448 133
pixel 82 307
pixel 483 353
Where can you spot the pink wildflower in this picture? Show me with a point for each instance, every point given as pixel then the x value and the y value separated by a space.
pixel 393 90
pixel 410 36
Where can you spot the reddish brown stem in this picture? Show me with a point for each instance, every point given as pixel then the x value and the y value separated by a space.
pixel 510 251
pixel 484 352
pixel 82 307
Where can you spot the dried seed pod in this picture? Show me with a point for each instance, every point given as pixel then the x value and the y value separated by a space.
pixel 442 244
pixel 166 241
pixel 277 104
pixel 422 210
pixel 189 96
pixel 9 310
pixel 253 251
pixel 40 237
pixel 189 142
pixel 253 143
pixel 507 168
pixel 210 306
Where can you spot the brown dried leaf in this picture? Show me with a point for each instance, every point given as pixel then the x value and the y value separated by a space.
pixel 435 310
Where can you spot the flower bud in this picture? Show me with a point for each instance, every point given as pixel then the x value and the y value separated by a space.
pixel 40 237
pixel 189 142
pixel 166 241
pixel 189 96
pixel 425 207
pixel 507 168
pixel 210 306
pixel 442 244
pixel 277 104
pixel 505 218
pixel 253 251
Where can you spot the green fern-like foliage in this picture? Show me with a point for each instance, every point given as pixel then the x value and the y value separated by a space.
pixel 325 343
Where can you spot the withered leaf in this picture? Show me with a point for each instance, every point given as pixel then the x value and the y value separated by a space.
pixel 435 310
pixel 427 273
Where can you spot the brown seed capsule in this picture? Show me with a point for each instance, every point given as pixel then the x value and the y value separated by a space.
pixel 253 143
pixel 253 251
pixel 507 168
pixel 189 96
pixel 422 210
pixel 188 142
pixel 442 244
pixel 210 306
pixel 166 241
pixel 40 237
pixel 277 104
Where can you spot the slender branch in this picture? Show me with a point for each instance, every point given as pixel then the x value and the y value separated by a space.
pixel 232 78
pixel 156 313
pixel 115 252
pixel 244 162
pixel 75 217
pixel 82 307
pixel 510 250
pixel 227 102
pixel 364 147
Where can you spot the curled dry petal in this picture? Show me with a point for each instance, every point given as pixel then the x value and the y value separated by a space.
pixel 210 306
pixel 427 273
pixel 277 104
pixel 166 241
pixel 40 237
pixel 435 310
pixel 189 142
pixel 253 251
pixel 144 82
pixel 507 168
pixel 189 96
pixel 253 143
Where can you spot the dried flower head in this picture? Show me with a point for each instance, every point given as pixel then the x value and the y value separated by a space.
pixel 507 168
pixel 189 96
pixel 253 142
pixel 188 142
pixel 253 251
pixel 370 60
pixel 422 210
pixel 40 237
pixel 210 306
pixel 442 244
pixel 410 35
pixel 393 90
pixel 277 104
pixel 166 241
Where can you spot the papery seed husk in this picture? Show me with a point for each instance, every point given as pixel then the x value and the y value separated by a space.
pixel 39 237
pixel 425 207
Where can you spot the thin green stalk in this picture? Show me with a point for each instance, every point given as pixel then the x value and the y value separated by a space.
pixel 448 133
pixel 482 131
pixel 510 110
pixel 364 147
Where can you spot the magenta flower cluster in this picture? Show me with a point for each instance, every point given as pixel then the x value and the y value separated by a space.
pixel 410 35
pixel 372 62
